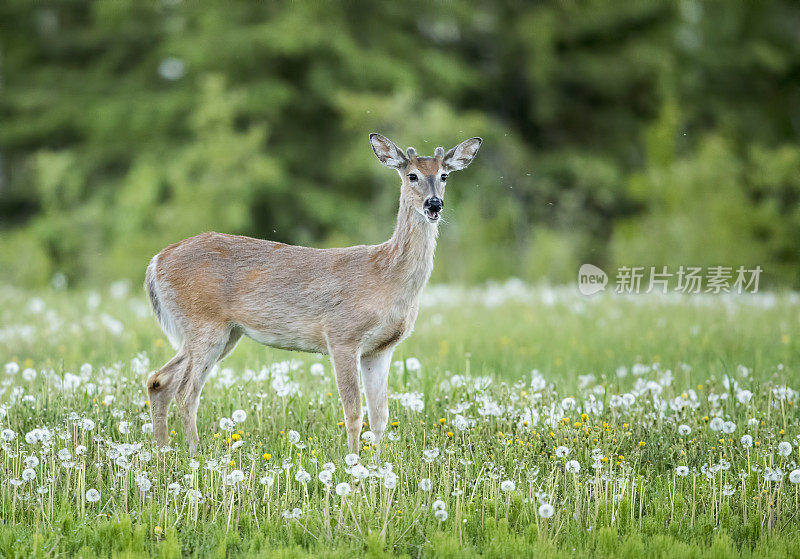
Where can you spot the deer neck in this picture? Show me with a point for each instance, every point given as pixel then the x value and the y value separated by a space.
pixel 409 253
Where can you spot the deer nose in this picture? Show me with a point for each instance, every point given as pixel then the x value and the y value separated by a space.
pixel 434 204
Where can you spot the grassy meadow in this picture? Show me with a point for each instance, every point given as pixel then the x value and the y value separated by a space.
pixel 525 421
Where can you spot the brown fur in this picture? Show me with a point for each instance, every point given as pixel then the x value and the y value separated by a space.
pixel 427 165
pixel 355 303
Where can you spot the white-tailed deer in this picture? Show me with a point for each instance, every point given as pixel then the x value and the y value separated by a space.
pixel 355 303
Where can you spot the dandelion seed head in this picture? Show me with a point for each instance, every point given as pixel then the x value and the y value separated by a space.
pixel 430 454
pixel 413 364
pixel 508 486
pixel 359 471
pixel 716 424
pixel 546 510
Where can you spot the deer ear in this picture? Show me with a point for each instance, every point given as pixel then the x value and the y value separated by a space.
pixel 462 155
pixel 388 153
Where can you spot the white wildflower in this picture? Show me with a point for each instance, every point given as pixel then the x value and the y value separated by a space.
pixel 546 510
pixel 508 486
pixel 351 459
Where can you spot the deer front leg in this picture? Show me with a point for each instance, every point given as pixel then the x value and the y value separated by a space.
pixel 345 366
pixel 375 374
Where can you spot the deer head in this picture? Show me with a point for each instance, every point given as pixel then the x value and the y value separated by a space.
pixel 424 178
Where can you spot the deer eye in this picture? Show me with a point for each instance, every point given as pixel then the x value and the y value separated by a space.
pixel 444 177
pixel 412 177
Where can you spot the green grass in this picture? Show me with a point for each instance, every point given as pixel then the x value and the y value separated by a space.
pixel 487 419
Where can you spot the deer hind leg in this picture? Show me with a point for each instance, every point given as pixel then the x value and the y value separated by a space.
pixel 375 375
pixel 206 349
pixel 161 387
pixel 345 365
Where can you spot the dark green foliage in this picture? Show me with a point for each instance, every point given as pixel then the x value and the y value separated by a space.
pixel 618 133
